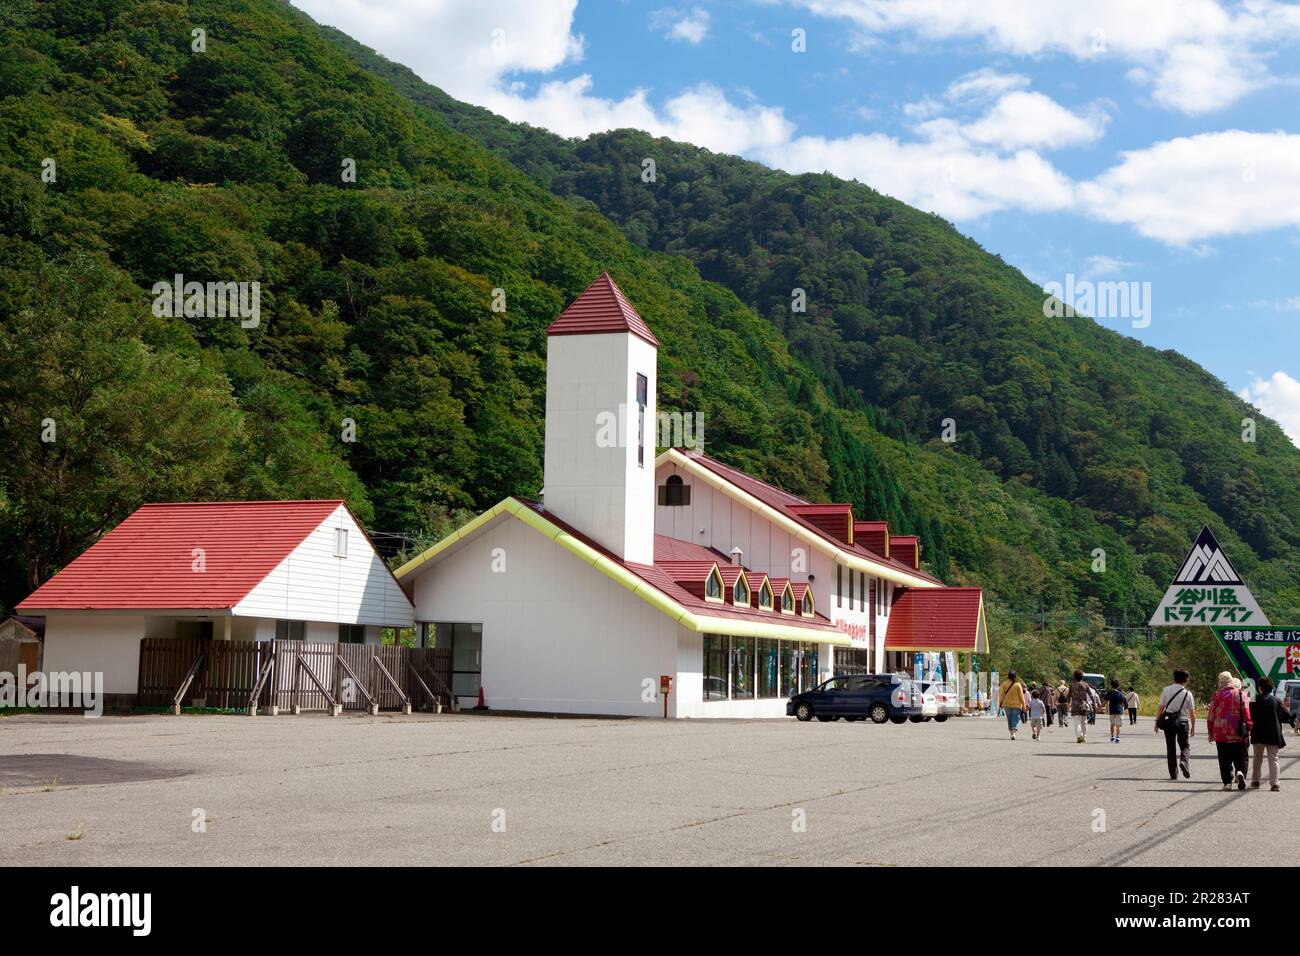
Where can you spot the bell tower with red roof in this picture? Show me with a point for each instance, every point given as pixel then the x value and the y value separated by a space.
pixel 601 419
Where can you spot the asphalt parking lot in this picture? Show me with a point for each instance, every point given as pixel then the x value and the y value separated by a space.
pixel 484 789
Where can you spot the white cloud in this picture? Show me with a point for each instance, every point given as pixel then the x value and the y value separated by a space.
pixel 1013 116
pixel 1201 187
pixel 1097 266
pixel 701 115
pixel 1195 56
pixel 690 27
pixel 1032 119
pixel 1290 303
pixel 944 174
pixel 974 149
pixel 1278 397
pixel 464 48
pixel 984 83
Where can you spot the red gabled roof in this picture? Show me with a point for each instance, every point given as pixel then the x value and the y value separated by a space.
pixel 147 562
pixel 834 519
pixel 602 307
pixel 934 619
pixel 801 594
pixel 790 506
pixel 872 535
pixel 660 579
pixel 906 548
pixel 730 575
pixel 691 575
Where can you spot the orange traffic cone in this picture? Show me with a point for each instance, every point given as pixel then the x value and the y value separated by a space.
pixel 482 704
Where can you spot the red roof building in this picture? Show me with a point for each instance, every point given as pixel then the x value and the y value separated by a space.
pixel 602 307
pixel 236 570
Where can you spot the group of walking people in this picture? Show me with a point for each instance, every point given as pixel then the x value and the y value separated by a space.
pixel 1078 701
pixel 1234 723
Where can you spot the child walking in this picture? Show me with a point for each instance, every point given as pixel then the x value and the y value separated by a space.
pixel 1037 711
pixel 1115 706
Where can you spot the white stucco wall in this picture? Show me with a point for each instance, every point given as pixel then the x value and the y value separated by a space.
pixel 311 584
pixel 105 643
pixel 601 489
pixel 558 636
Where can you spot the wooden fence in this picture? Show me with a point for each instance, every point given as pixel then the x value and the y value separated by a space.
pixel 354 675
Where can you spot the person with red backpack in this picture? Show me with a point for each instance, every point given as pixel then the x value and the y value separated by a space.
pixel 1229 722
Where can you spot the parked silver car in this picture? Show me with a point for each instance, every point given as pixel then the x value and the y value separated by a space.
pixel 945 704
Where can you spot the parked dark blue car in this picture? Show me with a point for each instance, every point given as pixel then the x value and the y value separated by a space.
pixel 880 697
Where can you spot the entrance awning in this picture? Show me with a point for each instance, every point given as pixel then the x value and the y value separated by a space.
pixel 938 619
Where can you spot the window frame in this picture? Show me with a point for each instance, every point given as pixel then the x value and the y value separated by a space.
pixel 642 402
pixel 715 576
pixel 674 493
pixel 742 581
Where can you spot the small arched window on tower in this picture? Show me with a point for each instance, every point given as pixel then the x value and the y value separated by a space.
pixel 675 493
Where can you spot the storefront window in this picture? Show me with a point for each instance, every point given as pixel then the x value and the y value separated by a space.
pixel 789 668
pixel 808 667
pixel 715 667
pixel 769 665
pixel 742 668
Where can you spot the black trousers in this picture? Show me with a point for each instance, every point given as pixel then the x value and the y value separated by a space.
pixel 1177 747
pixel 1231 757
pixel 1132 715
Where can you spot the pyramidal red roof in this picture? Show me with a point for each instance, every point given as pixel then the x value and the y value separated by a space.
pixel 602 307
pixel 147 562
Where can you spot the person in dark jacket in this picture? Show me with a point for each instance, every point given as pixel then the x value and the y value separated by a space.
pixel 1268 716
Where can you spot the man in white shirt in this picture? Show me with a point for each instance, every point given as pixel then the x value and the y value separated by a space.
pixel 1179 709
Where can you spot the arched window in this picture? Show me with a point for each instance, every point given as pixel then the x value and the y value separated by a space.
pixel 808 609
pixel 765 597
pixel 674 493
pixel 787 600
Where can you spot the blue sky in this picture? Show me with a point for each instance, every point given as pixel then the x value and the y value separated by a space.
pixel 1111 141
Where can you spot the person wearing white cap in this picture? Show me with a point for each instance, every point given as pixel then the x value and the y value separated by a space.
pixel 1229 722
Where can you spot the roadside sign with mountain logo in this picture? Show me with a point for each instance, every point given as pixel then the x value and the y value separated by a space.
pixel 1207 590
pixel 1265 651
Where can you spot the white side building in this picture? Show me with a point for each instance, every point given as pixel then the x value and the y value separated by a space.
pixel 235 571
